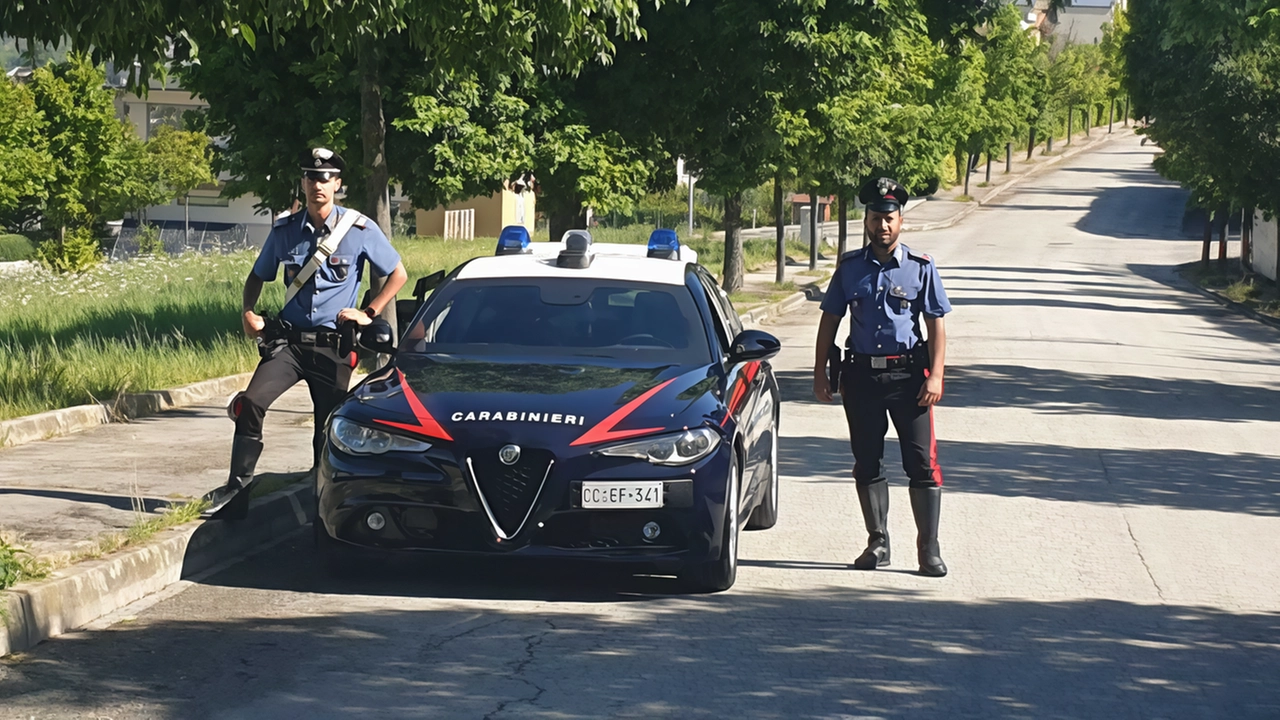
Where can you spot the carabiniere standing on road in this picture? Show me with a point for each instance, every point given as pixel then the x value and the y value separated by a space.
pixel 323 250
pixel 890 369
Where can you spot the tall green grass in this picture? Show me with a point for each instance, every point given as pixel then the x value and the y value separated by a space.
pixel 160 322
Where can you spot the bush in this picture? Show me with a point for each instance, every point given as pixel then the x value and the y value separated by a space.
pixel 16 247
pixel 149 242
pixel 77 250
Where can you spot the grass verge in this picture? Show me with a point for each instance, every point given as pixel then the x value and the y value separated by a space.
pixel 17 565
pixel 16 247
pixel 143 529
pixel 1231 281
pixel 161 322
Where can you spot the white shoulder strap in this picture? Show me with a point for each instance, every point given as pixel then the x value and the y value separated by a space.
pixel 324 249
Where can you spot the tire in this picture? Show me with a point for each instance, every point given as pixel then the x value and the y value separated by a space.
pixel 765 515
pixel 719 574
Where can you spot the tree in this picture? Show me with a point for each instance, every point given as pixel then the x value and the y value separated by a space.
pixel 26 166
pixel 180 160
pixel 99 169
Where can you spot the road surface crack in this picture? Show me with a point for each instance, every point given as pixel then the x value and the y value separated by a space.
pixel 531 644
pixel 1137 546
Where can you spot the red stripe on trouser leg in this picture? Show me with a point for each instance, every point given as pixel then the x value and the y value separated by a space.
pixel 934 471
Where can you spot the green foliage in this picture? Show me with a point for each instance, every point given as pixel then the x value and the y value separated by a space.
pixel 17 565
pixel 16 247
pixel 72 251
pixel 26 165
pixel 149 240
pixel 180 161
pixel 1213 100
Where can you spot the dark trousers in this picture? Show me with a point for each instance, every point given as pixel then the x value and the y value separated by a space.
pixel 869 404
pixel 327 377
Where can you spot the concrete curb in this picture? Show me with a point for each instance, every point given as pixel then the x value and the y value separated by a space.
pixel 995 192
pixel 785 305
pixel 65 421
pixel 1239 308
pixel 78 595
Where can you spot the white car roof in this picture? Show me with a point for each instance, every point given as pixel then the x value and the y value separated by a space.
pixel 612 262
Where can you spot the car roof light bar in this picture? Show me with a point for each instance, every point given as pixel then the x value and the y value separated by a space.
pixel 513 240
pixel 577 250
pixel 664 244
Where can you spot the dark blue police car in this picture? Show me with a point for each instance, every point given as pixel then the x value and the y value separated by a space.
pixel 571 400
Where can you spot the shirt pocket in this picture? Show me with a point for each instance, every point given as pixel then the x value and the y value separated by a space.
pixel 292 266
pixel 338 267
pixel 901 298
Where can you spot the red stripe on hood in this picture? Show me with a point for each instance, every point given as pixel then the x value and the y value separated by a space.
pixel 604 431
pixel 427 425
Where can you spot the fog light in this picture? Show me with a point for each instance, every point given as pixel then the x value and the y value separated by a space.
pixel 651 531
pixel 375 521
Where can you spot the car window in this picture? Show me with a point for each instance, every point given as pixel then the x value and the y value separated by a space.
pixel 601 318
pixel 717 311
pixel 721 299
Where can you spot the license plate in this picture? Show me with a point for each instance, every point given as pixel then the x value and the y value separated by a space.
pixel 622 495
pixel 879 363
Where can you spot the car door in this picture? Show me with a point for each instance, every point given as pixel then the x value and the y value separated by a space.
pixel 743 392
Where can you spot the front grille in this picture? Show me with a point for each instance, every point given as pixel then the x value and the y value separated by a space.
pixel 509 491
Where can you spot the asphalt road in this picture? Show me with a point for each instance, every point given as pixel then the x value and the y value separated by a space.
pixel 1111 521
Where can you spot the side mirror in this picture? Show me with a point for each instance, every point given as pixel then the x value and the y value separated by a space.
pixel 378 337
pixel 753 345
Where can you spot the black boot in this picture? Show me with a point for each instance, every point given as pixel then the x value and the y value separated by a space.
pixel 231 501
pixel 925 505
pixel 874 499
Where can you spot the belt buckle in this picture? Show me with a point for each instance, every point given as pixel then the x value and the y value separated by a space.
pixel 879 362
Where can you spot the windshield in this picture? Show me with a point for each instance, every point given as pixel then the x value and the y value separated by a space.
pixel 598 318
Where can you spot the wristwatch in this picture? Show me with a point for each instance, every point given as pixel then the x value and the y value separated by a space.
pixel 371 312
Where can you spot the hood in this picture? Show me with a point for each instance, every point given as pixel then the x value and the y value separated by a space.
pixel 535 400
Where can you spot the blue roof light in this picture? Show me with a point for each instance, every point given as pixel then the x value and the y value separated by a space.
pixel 664 244
pixel 513 240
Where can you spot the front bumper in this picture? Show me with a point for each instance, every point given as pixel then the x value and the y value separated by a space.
pixel 433 505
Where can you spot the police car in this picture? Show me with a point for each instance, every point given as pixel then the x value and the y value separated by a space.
pixel 562 400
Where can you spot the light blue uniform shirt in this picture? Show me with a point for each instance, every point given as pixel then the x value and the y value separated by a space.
pixel 885 301
pixel 336 285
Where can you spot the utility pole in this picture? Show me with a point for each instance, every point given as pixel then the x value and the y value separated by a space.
pixel 690 176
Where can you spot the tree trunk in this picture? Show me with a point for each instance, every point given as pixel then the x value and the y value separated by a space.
pixel 1071 116
pixel 1031 142
pixel 813 229
pixel 1008 158
pixel 373 132
pixel 1223 219
pixel 734 267
pixel 842 244
pixel 1126 111
pixel 988 175
pixel 780 245
pixel 560 222
pixel 968 166
pixel 1208 237
pixel 1084 120
pixel 958 154
pixel 1246 239
pixel 1111 115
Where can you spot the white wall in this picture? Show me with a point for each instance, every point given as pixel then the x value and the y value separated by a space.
pixel 1266 249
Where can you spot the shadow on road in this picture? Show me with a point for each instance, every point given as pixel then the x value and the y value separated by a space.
pixel 1186 479
pixel 824 652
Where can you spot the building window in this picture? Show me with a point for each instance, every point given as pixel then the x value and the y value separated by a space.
pixel 170 115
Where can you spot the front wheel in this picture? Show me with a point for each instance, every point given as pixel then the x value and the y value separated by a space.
pixel 719 574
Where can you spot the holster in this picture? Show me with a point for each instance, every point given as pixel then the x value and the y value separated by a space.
pixel 347 339
pixel 273 338
pixel 835 364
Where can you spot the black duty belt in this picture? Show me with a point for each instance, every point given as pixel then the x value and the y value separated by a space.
pixel 915 357
pixel 320 338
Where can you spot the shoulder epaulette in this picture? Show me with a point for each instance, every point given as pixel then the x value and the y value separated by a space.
pixel 281 222
pixel 361 221
pixel 852 254
pixel 919 257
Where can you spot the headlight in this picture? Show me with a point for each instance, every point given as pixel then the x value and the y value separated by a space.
pixel 679 448
pixel 360 440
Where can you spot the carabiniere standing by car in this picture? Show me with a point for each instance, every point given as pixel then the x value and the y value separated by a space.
pixel 323 249
pixel 888 290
